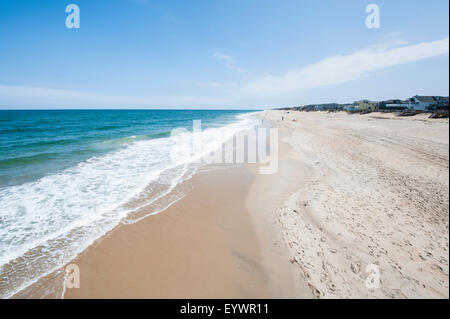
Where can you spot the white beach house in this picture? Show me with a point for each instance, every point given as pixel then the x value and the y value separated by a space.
pixel 417 103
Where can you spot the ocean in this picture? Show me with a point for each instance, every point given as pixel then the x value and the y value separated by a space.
pixel 67 177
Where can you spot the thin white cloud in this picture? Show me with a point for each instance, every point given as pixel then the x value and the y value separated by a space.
pixel 343 68
pixel 229 60
pixel 39 96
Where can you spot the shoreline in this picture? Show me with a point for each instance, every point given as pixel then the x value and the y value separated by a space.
pixel 200 247
pixel 207 245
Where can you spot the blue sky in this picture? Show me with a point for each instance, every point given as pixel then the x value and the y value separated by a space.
pixel 219 54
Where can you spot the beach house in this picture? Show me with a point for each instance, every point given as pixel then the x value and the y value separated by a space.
pixel 421 103
pixel 349 107
pixel 398 105
pixel 366 105
pixel 384 104
pixel 442 102
pixel 418 103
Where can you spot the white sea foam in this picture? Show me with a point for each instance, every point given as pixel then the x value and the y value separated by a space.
pixel 46 223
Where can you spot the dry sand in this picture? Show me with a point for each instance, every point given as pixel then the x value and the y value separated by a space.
pixel 376 191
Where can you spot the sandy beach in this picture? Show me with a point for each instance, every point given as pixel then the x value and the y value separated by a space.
pixel 350 191
pixel 376 191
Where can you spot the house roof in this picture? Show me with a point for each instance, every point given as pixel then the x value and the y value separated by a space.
pixel 425 98
pixel 393 101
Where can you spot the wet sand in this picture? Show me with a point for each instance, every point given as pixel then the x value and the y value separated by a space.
pixel 207 245
pixel 203 246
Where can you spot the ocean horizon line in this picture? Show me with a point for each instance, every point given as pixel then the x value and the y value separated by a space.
pixel 131 109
